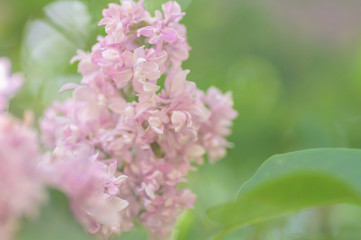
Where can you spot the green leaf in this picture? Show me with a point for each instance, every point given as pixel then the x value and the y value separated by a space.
pixel 72 19
pixel 55 222
pixel 51 42
pixel 293 181
pixel 134 234
pixel 47 47
pixel 184 223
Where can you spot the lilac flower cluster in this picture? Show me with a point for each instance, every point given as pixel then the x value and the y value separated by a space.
pixel 20 188
pixel 9 84
pixel 135 126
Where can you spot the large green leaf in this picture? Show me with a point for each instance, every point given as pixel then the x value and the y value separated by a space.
pixel 293 181
pixel 55 223
pixel 47 47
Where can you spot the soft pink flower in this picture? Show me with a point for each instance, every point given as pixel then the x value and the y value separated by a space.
pixel 91 185
pixel 21 190
pixel 9 84
pixel 138 111
pixel 217 128
pixel 20 187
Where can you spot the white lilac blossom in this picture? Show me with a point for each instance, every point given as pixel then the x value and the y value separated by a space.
pixel 135 114
pixel 21 189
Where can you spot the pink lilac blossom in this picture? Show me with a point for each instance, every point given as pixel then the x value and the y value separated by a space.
pixel 9 84
pixel 74 166
pixel 92 187
pixel 136 110
pixel 20 188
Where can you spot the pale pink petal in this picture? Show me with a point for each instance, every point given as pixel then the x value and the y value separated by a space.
pixel 68 86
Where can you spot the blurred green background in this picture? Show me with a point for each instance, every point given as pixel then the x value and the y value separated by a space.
pixel 294 68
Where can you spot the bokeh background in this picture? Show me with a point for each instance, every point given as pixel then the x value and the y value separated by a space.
pixel 294 68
